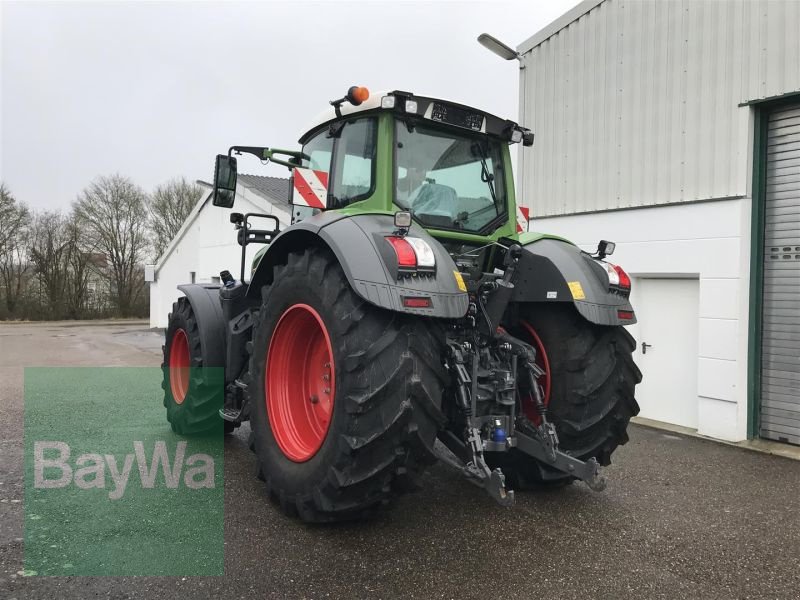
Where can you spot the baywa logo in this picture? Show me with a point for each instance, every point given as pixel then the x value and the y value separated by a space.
pixel 110 489
pixel 106 471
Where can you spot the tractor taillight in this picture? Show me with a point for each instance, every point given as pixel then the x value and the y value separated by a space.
pixel 624 280
pixel 617 277
pixel 406 257
pixel 424 252
pixel 613 276
pixel 412 253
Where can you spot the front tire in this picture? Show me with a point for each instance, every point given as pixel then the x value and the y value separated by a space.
pixel 192 393
pixel 345 397
pixel 592 378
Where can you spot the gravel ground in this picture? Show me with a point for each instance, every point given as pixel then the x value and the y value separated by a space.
pixel 681 518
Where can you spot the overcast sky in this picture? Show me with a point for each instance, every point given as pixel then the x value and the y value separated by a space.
pixel 154 90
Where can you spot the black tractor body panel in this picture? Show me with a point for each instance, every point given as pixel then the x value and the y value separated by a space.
pixel 210 320
pixel 369 263
pixel 556 271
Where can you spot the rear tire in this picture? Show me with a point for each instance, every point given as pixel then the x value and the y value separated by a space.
pixel 369 439
pixel 592 379
pixel 192 394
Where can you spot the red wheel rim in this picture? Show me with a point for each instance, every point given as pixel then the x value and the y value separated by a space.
pixel 300 382
pixel 179 361
pixel 528 406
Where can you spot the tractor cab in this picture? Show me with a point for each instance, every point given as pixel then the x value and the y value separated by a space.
pixel 447 164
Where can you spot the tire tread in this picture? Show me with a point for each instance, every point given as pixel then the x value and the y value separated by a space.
pixel 392 392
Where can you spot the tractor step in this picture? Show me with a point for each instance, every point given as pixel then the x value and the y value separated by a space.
pixel 231 415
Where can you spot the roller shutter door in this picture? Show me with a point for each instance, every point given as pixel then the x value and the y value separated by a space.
pixel 780 342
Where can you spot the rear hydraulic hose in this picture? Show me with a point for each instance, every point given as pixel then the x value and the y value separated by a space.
pixel 528 355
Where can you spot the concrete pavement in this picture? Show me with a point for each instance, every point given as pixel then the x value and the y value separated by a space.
pixel 681 518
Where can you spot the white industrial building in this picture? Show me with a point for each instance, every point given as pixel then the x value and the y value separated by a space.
pixel 673 129
pixel 206 244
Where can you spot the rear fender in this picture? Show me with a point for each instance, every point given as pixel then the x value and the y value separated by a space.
pixel 367 261
pixel 552 270
pixel 210 322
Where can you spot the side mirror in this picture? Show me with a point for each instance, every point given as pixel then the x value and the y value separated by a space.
pixel 224 181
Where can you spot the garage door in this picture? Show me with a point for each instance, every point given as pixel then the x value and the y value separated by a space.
pixel 780 345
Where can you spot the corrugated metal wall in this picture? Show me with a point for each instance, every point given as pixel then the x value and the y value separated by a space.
pixel 636 103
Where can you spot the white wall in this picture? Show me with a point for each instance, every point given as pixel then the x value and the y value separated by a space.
pixel 206 247
pixel 709 241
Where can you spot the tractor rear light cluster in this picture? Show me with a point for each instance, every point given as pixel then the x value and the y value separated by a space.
pixel 412 253
pixel 617 277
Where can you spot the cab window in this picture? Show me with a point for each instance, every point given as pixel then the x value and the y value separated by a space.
pixel 354 177
pixel 319 150
pixel 450 179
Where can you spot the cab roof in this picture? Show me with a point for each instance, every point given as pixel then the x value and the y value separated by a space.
pixel 443 112
pixel 329 114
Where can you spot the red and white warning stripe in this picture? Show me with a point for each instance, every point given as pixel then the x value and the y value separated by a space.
pixel 523 218
pixel 310 188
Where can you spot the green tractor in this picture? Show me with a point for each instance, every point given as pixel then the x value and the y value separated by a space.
pixel 405 317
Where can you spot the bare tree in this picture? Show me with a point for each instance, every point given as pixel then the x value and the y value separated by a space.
pixel 13 215
pixel 14 232
pixel 48 249
pixel 15 267
pixel 14 271
pixel 170 205
pixel 80 260
pixel 112 212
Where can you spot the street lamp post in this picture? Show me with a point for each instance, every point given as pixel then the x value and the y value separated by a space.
pixel 505 52
pixel 497 47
